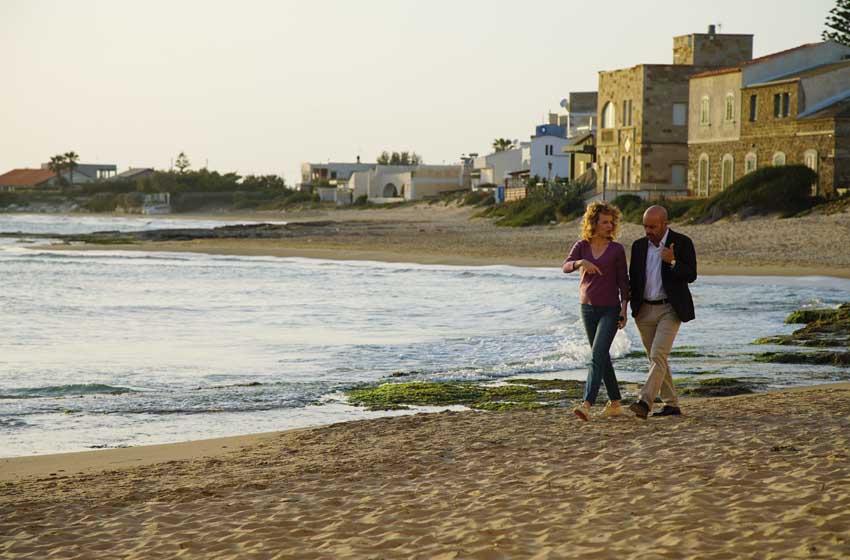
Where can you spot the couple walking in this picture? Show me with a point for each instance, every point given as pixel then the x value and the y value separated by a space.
pixel 661 266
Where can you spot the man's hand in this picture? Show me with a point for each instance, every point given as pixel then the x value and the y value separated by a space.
pixel 667 254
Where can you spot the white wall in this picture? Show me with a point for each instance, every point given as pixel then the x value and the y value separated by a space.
pixel 559 160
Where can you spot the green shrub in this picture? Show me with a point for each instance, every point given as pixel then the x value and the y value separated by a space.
pixel 362 200
pixel 101 202
pixel 785 190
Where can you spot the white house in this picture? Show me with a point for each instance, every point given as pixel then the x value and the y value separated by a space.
pixel 494 168
pixel 546 154
pixel 396 183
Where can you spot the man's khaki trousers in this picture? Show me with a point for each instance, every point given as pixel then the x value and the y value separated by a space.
pixel 658 325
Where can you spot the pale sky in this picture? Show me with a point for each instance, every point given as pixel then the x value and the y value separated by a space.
pixel 259 86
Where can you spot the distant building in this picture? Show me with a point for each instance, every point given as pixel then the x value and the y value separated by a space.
pixel 396 183
pixel 26 179
pixel 330 174
pixel 642 138
pixel 133 174
pixel 493 169
pixel 788 107
pixel 547 158
pixel 88 172
pixel 580 117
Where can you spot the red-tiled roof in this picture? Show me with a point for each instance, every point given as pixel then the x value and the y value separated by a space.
pixel 26 177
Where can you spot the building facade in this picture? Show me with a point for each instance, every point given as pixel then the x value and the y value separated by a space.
pixel 642 135
pixel 784 108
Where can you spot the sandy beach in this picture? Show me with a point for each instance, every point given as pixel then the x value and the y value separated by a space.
pixel 763 476
pixel 438 234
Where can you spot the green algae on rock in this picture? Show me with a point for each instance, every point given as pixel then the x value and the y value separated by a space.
pixel 824 328
pixel 717 387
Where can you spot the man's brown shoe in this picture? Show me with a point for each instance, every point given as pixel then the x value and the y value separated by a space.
pixel 640 408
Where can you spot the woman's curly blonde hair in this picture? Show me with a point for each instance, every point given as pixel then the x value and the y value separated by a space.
pixel 591 218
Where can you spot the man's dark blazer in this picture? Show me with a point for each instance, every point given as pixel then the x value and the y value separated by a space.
pixel 674 278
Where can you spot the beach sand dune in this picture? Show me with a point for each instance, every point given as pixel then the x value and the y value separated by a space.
pixel 762 476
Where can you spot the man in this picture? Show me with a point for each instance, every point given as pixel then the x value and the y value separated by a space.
pixel 661 266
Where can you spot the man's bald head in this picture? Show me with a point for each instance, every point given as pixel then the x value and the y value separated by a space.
pixel 655 223
pixel 655 212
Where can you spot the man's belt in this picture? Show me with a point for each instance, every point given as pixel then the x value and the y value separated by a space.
pixel 656 301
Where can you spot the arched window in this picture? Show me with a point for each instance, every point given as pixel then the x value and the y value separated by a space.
pixel 609 117
pixel 750 163
pixel 729 113
pixel 705 111
pixel 727 171
pixel 810 158
pixel 778 159
pixel 702 176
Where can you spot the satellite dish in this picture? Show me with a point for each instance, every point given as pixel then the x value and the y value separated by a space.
pixel 565 103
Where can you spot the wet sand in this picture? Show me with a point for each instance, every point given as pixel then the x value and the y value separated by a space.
pixel 763 476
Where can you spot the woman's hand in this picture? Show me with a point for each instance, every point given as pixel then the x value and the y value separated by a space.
pixel 621 324
pixel 590 268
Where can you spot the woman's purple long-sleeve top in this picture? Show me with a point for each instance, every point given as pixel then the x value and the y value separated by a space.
pixel 609 288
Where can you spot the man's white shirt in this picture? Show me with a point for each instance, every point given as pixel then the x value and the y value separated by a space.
pixel 654 289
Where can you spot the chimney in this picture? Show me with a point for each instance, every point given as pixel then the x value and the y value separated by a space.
pixel 711 29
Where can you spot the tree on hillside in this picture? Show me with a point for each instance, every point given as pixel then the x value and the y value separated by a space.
pixel 71 162
pixel 182 163
pixel 838 23
pixel 502 144
pixel 399 158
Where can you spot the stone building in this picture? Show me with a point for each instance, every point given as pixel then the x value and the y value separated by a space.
pixel 787 107
pixel 642 138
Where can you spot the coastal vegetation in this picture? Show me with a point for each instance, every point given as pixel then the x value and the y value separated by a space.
pixel 544 203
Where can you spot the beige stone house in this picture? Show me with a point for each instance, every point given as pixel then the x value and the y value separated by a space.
pixel 642 136
pixel 787 107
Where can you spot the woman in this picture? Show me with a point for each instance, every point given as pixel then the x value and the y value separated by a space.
pixel 604 297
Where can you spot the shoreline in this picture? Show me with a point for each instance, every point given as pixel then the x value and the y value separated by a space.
pixel 521 484
pixel 274 248
pixel 87 462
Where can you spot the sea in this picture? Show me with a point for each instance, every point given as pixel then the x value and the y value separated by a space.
pixel 104 349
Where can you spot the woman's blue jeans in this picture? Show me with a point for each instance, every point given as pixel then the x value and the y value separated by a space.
pixel 600 322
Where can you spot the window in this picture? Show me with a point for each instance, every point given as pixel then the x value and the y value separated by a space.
pixel 702 176
pixel 680 114
pixel 627 112
pixel 728 171
pixel 781 105
pixel 754 103
pixel 778 159
pixel 729 113
pixel 705 111
pixel 786 104
pixel 777 100
pixel 677 172
pixel 810 158
pixel 626 172
pixel 609 116
pixel 606 175
pixel 750 163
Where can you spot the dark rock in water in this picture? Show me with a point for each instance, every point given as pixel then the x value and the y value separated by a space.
pixel 717 387
pixel 824 328
pixel 814 358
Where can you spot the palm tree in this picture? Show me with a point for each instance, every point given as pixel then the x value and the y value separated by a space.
pixel 502 144
pixel 57 165
pixel 71 162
